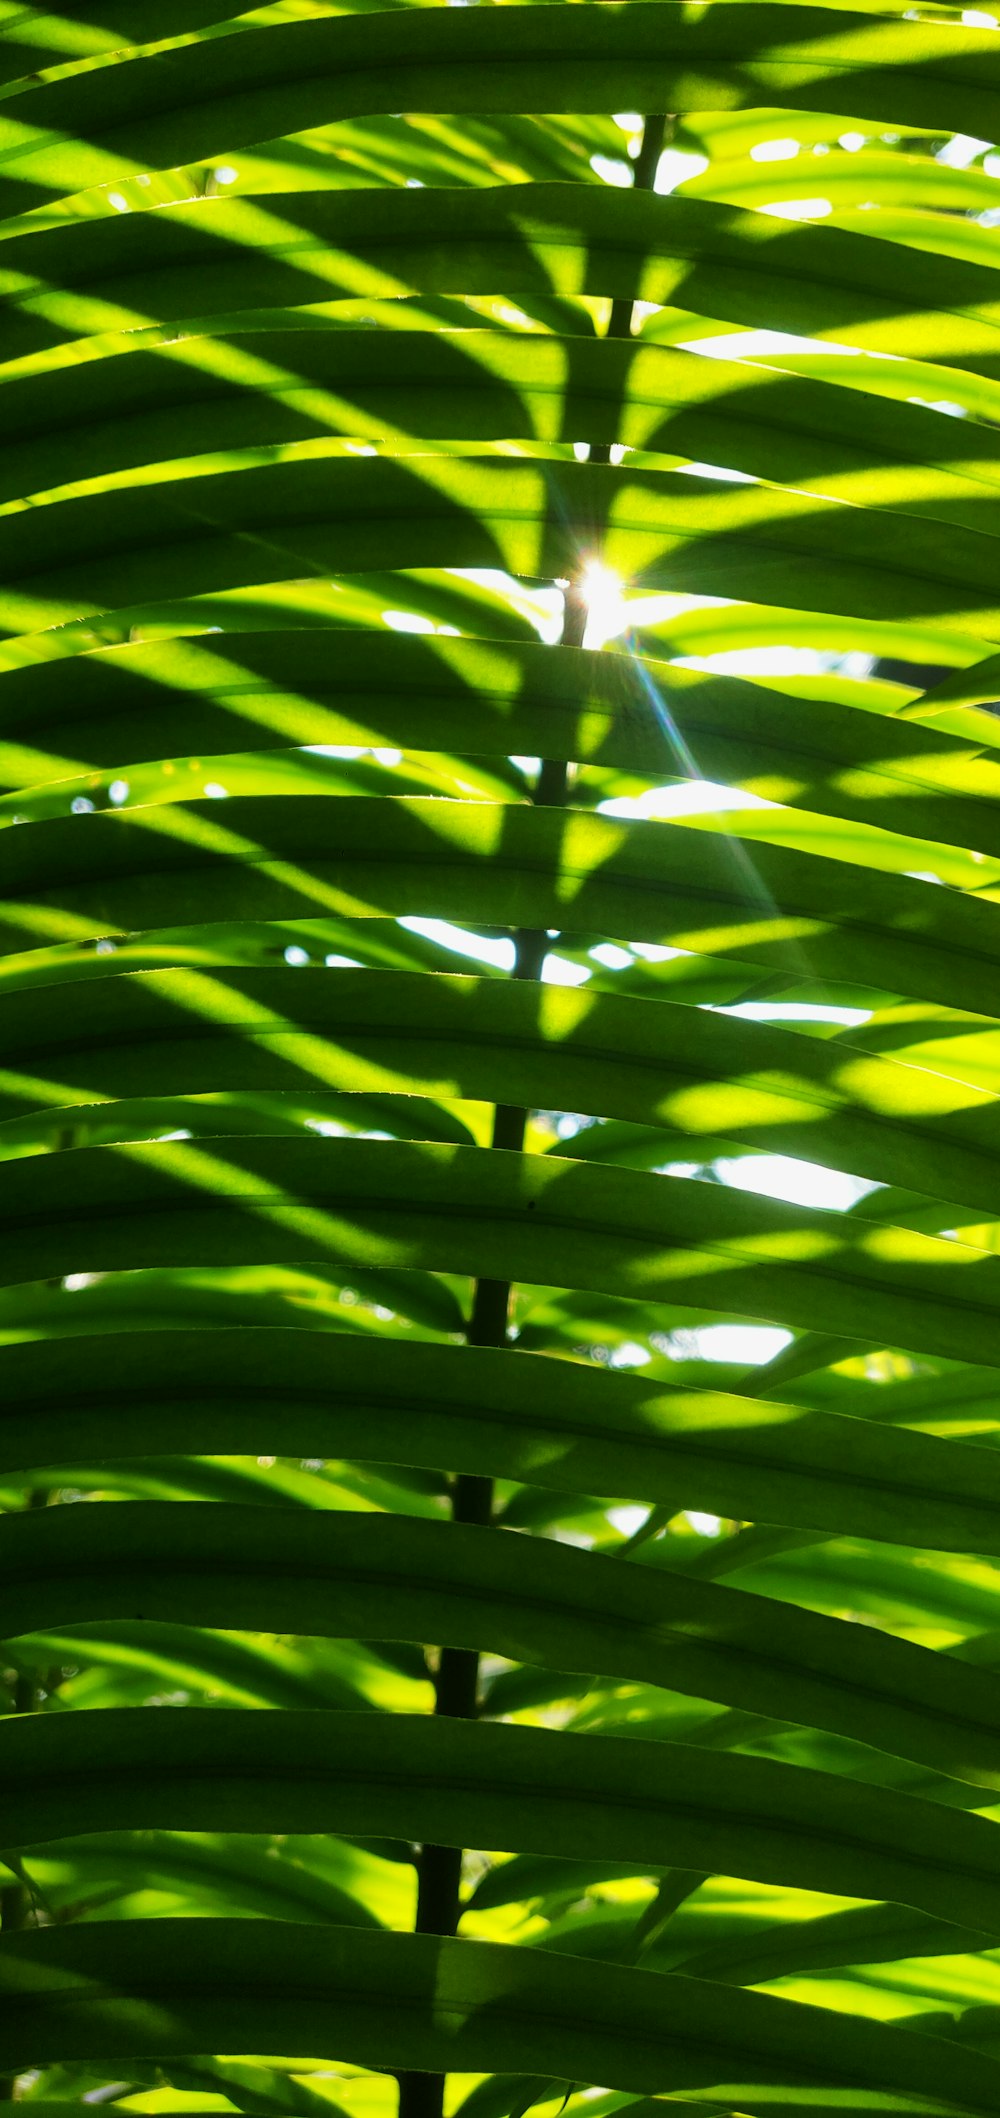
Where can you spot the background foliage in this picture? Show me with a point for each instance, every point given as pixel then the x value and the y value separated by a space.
pixel 499 1059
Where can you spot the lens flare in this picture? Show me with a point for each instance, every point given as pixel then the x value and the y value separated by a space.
pixel 606 612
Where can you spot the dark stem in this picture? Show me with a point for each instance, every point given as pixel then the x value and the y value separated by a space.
pixel 654 133
pixel 456 1682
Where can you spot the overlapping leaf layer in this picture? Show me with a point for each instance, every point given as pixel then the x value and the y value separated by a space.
pixel 500 1059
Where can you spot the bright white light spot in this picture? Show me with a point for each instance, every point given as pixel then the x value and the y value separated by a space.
pixel 606 612
pixel 974 18
pixel 801 1183
pixel 546 612
pixel 120 204
pixel 675 167
pixel 706 1525
pixel 342 963
pixel 627 1520
pixel 75 1282
pixel 750 1344
pixel 528 765
pixel 822 147
pixel 182 1135
pixel 628 120
pixel 686 798
pixel 81 805
pixel 757 662
pixel 570 1124
pixel 657 951
pixel 611 172
pixel 800 209
pixel 215 791
pixel 991 165
pixel 756 345
pixel 118 791
pixel 414 183
pixel 793 1011
pixel 852 141
pixel 581 450
pixel 500 953
pixel 105 948
pixel 630 1355
pixel 406 621
pixel 556 970
pixel 921 875
pixel 613 958
pixel 295 955
pixel 388 757
pixel 963 149
pixel 226 174
pixel 774 151
pixel 715 470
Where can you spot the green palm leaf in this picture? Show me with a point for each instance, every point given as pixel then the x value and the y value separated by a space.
pixel 538 1734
